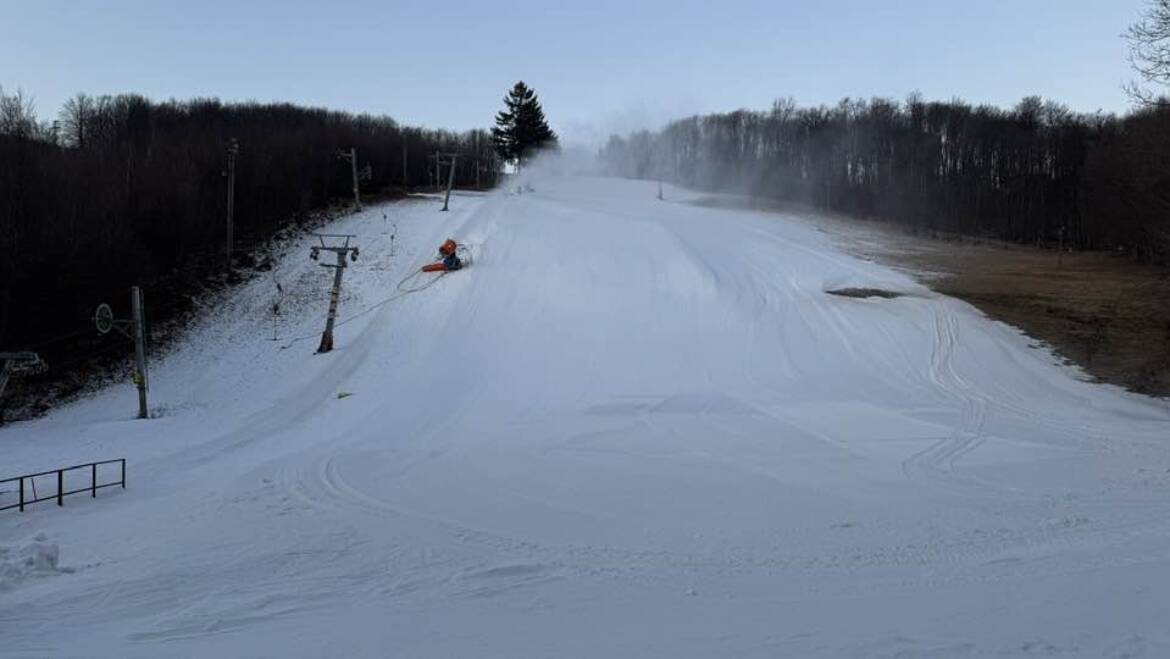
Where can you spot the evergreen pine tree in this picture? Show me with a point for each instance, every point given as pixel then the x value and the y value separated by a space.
pixel 521 128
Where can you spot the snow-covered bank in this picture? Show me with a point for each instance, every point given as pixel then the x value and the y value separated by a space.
pixel 634 428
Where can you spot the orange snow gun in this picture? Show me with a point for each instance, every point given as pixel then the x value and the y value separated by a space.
pixel 450 262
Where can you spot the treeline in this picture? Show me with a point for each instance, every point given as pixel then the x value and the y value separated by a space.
pixel 121 190
pixel 1028 174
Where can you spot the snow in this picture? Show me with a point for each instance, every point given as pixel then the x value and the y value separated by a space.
pixel 633 428
pixel 32 558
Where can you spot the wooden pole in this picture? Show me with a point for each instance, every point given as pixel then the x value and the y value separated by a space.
pixel 357 198
pixel 139 320
pixel 450 182
pixel 233 150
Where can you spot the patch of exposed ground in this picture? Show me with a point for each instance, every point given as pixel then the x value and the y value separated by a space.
pixel 1101 311
pixel 864 293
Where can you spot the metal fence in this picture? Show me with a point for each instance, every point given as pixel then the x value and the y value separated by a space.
pixel 81 478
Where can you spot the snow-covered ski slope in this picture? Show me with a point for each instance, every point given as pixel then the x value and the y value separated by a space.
pixel 634 428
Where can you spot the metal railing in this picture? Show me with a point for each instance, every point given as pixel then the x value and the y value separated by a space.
pixel 28 484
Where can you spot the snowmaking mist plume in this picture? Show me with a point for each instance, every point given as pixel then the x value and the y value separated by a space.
pixel 560 163
pixel 631 118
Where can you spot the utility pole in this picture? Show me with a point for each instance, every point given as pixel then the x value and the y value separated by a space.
pixel 660 191
pixel 138 313
pixel 438 172
pixel 351 156
pixel 357 197
pixel 451 158
pixel 135 329
pixel 342 251
pixel 233 150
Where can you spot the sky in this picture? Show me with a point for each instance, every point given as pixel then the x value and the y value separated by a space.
pixel 599 66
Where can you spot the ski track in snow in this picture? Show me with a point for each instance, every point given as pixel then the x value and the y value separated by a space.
pixel 632 428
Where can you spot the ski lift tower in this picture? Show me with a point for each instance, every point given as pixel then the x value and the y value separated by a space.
pixel 342 249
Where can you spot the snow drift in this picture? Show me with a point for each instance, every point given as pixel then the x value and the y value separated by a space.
pixel 31 558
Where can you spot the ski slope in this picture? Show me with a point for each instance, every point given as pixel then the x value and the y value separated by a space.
pixel 634 428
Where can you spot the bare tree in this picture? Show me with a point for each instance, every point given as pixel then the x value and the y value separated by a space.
pixel 1149 53
pixel 18 116
pixel 74 118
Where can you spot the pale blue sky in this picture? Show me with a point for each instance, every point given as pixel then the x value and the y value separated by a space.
pixel 598 66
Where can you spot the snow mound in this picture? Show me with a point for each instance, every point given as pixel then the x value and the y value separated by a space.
pixel 36 557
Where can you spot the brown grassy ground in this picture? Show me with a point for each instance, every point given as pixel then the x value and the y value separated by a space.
pixel 1104 312
pixel 1101 311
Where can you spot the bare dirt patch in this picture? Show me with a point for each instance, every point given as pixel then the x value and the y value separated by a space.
pixel 1101 311
pixel 864 293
